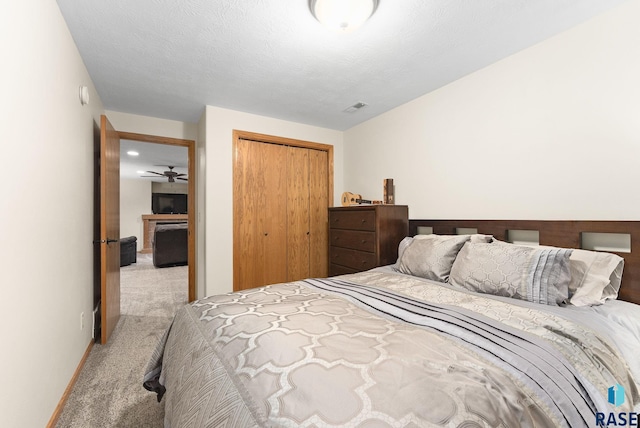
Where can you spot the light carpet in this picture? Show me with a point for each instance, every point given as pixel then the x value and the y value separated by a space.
pixel 109 392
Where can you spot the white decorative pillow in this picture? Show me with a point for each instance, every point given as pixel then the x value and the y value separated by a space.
pixel 503 269
pixel 595 277
pixel 430 256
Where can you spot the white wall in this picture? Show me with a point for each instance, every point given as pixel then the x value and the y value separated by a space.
pixel 135 200
pixel 166 187
pixel 46 220
pixel 220 124
pixel 201 188
pixel 552 132
pixel 127 122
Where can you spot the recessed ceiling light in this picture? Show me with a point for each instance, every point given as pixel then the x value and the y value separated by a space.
pixel 140 172
pixel 132 153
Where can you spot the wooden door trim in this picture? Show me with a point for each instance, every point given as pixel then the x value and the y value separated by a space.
pixel 272 139
pixel 191 191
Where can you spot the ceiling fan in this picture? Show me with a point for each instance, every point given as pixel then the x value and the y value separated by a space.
pixel 171 175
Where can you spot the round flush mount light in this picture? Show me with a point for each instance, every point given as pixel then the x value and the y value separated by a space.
pixel 132 153
pixel 342 15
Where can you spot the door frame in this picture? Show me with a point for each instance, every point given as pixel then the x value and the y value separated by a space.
pixel 191 195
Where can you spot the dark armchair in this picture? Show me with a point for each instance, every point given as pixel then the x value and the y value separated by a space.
pixel 128 250
pixel 170 245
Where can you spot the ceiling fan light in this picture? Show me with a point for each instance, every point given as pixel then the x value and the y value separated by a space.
pixel 342 15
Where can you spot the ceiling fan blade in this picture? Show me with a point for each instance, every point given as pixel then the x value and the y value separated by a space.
pixel 185 179
pixel 180 175
pixel 153 172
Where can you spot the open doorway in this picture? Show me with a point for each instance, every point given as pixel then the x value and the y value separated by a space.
pixel 163 174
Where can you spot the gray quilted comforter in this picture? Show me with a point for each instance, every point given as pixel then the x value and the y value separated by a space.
pixel 378 349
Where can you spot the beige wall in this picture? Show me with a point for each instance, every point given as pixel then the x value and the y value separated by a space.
pixel 46 220
pixel 127 122
pixel 201 144
pixel 551 132
pixel 135 200
pixel 220 124
pixel 167 187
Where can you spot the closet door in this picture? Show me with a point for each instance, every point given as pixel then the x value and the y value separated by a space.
pixel 259 209
pixel 281 194
pixel 307 215
pixel 297 213
pixel 318 213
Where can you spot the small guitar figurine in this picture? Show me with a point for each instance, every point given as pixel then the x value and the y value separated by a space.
pixel 349 199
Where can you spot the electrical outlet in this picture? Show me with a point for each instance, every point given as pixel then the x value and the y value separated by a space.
pixel 81 320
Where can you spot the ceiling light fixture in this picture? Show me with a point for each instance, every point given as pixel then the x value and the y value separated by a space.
pixel 132 153
pixel 342 15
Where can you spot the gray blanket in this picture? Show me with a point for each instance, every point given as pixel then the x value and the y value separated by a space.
pixel 377 349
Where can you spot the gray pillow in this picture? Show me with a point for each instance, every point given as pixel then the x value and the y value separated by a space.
pixel 602 276
pixel 503 269
pixel 431 256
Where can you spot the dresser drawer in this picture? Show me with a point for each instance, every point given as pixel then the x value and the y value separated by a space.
pixel 335 269
pixel 353 219
pixel 355 259
pixel 357 240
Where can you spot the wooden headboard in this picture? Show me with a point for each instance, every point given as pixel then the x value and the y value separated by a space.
pixel 558 233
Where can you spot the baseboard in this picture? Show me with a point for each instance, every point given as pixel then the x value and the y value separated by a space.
pixel 58 411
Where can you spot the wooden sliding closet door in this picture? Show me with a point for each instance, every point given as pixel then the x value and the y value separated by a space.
pixel 281 195
pixel 259 207
pixel 297 213
pixel 318 214
pixel 307 214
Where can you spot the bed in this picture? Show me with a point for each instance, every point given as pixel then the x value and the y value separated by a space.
pixel 465 330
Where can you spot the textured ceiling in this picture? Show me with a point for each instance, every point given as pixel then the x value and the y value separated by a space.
pixel 169 59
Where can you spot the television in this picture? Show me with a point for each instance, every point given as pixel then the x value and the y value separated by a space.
pixel 168 203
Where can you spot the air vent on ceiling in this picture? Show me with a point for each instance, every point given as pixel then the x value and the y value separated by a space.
pixel 357 106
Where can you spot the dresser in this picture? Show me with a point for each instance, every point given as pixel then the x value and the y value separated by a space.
pixel 365 236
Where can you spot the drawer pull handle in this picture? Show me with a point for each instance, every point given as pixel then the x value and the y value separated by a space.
pixel 364 221
pixel 364 241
